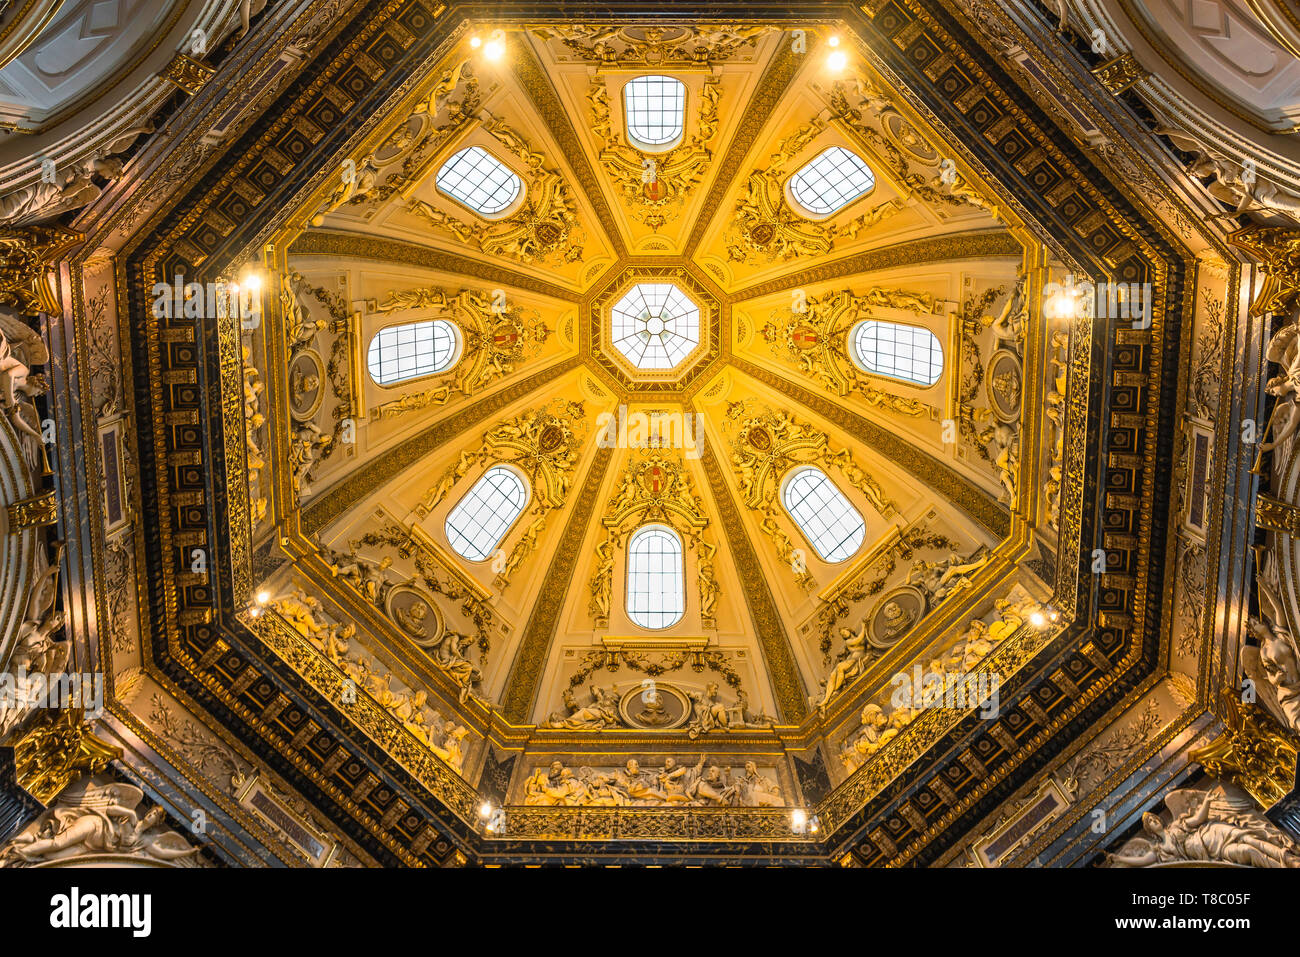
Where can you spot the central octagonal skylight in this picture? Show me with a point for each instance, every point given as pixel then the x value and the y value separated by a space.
pixel 655 325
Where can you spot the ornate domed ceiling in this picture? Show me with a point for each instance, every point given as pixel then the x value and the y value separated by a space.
pixel 622 430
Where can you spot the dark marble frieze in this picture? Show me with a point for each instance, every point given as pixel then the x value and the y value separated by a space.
pixel 992 516
pixel 978 244
pixel 225 671
pixel 539 632
pixel 326 242
pixel 778 656
pixel 384 467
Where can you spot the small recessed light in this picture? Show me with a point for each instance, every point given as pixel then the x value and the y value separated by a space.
pixel 837 60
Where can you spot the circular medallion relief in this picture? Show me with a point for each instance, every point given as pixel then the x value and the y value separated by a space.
pixel 894 615
pixel 908 138
pixel 661 709
pixel 417 616
pixel 1002 383
pixel 306 384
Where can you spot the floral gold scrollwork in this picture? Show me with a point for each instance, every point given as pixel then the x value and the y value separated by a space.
pixel 765 445
pixel 544 445
pixel 26 256
pixel 655 187
pixel 1253 753
pixel 544 228
pixel 816 340
pixel 656 488
pixel 494 343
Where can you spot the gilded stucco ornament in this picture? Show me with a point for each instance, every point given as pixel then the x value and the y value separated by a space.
pixel 655 488
pixel 1254 753
pixel 816 340
pixel 544 229
pixel 544 444
pixel 654 186
pixel 667 48
pixel 765 445
pixel 701 785
pixel 495 341
pixel 881 722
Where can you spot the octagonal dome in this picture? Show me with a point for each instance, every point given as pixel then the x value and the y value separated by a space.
pixel 655 325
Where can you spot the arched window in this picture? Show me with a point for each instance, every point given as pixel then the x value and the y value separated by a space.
pixel 481 519
pixel 655 107
pixel 656 578
pixel 898 350
pixel 827 519
pixel 834 178
pixel 412 350
pixel 480 181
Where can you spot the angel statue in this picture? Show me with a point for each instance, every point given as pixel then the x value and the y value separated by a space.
pixel 97 819
pixel 601 713
pixel 1208 827
pixel 857 654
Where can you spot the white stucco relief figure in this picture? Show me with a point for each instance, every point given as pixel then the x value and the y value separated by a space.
pixel 89 820
pixel 1217 826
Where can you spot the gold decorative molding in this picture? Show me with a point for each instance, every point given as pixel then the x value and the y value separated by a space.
pixel 189 74
pixel 1253 753
pixel 26 257
pixel 1119 74
pixel 1278 250
pixel 42 509
pixel 1277 516
pixel 56 751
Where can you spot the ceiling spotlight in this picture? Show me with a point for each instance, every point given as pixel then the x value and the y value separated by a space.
pixel 253 281
pixel 496 47
pixel 798 820
pixel 1054 615
pixel 1038 619
pixel 485 809
pixel 263 597
pixel 834 40
pixel 837 60
pixel 814 825
pixel 475 42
